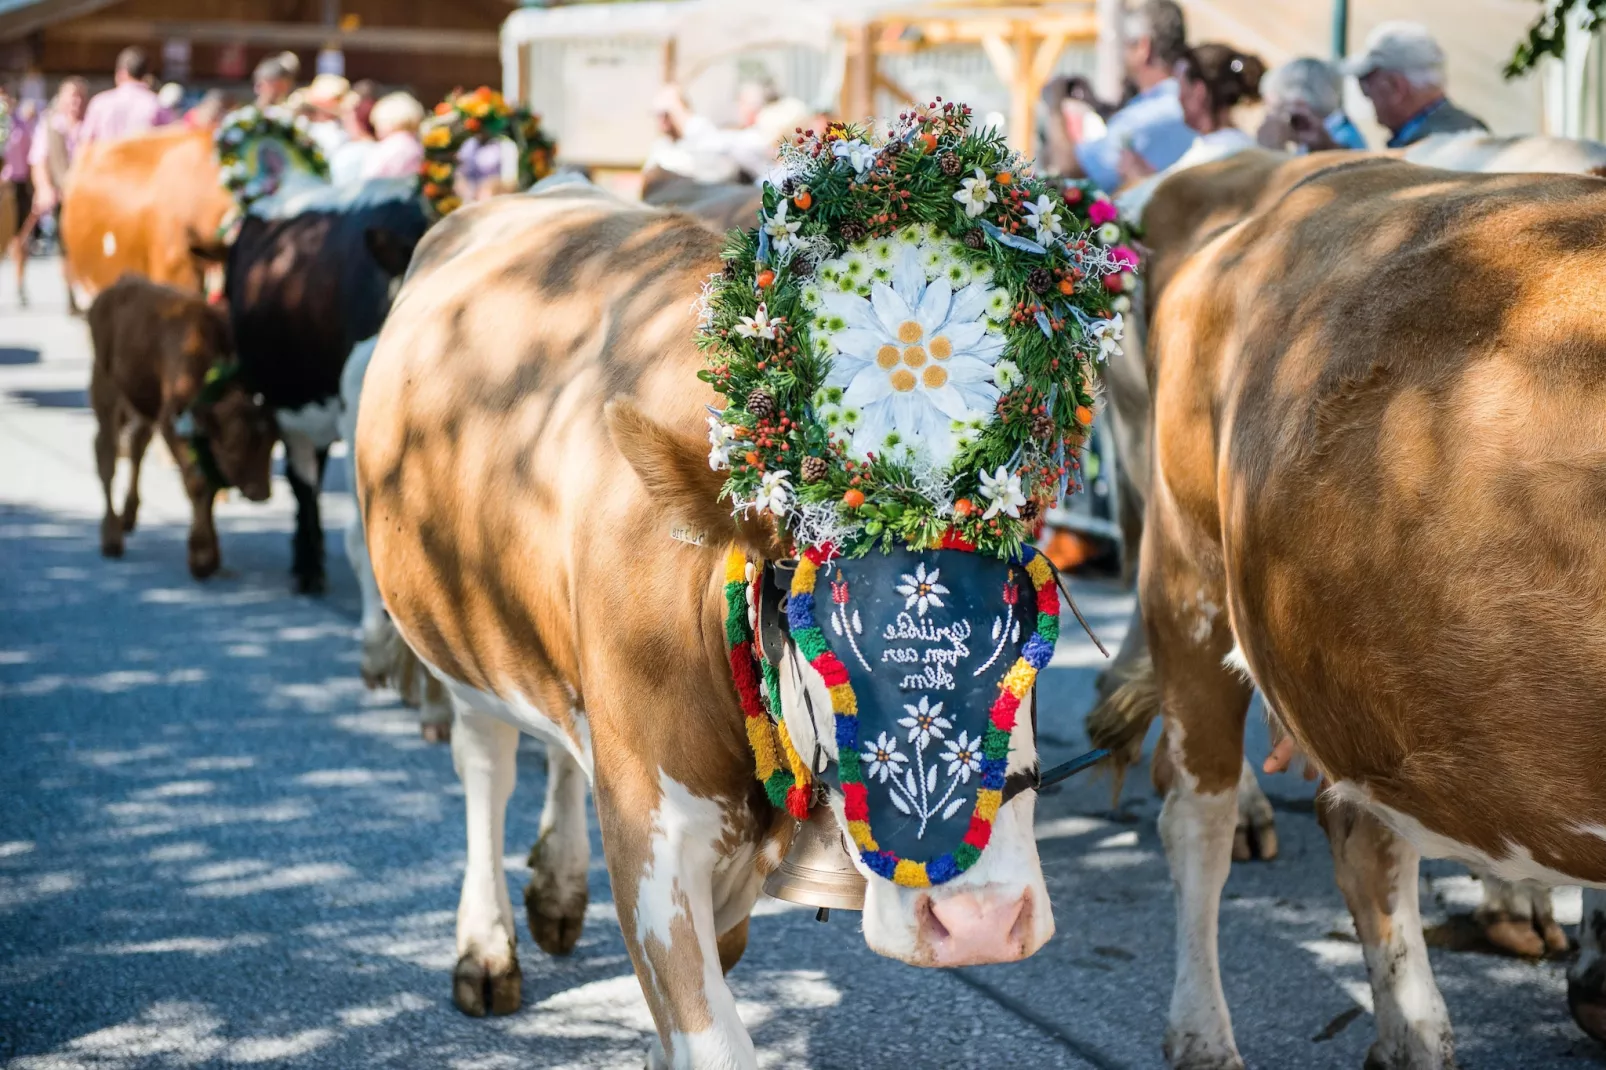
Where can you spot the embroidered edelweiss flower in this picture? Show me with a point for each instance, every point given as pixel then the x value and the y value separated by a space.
pixel 759 325
pixel 963 756
pixel 913 357
pixel 774 492
pixel 976 194
pixel 782 231
pixel 882 759
pixel 925 721
pixel 1003 489
pixel 721 440
pixel 921 590
pixel 1043 217
pixel 859 155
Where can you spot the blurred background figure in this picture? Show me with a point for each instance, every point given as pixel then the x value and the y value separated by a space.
pixel 356 109
pixel 321 103
pixel 274 79
pixel 397 153
pixel 693 146
pixel 1304 109
pixel 208 111
pixel 56 139
pixel 16 183
pixel 130 107
pixel 1212 80
pixel 479 169
pixel 1402 74
pixel 1149 124
pixel 171 97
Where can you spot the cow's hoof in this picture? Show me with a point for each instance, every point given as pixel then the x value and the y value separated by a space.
pixel 436 733
pixel 1522 937
pixel 111 536
pixel 479 990
pixel 111 547
pixel 313 585
pixel 130 518
pixel 1588 1006
pixel 203 563
pixel 556 919
pixel 1193 1051
pixel 1255 840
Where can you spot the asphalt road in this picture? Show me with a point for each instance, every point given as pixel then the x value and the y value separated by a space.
pixel 216 848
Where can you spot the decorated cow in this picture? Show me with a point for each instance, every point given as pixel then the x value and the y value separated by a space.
pixel 834 614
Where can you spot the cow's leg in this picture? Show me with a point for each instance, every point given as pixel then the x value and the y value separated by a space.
pixel 555 899
pixel 434 712
pixel 1204 705
pixel 1518 917
pixel 486 979
pixel 204 555
pixel 1586 980
pixel 1377 872
pixel 1256 835
pixel 108 427
pixel 664 844
pixel 139 441
pixel 305 476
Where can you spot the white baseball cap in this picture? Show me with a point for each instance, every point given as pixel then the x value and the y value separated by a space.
pixel 1397 45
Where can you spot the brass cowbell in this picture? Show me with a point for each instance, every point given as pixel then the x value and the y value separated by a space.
pixel 818 871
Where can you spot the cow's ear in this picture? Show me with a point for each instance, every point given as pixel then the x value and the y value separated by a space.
pixel 674 469
pixel 390 251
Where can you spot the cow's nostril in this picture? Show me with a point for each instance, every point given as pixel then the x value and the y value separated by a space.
pixel 927 920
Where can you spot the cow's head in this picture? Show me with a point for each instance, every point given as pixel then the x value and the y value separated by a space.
pixel 238 429
pixel 995 907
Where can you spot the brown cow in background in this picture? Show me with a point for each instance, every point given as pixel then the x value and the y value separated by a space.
pixel 136 205
pixel 154 346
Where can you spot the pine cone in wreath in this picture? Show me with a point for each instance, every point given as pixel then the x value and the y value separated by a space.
pixel 975 239
pixel 853 232
pixel 730 269
pixel 1030 510
pixel 1043 428
pixel 761 403
pixel 814 469
pixel 949 162
pixel 1040 281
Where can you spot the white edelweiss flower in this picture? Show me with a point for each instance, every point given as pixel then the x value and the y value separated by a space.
pixel 759 325
pixel 782 231
pixel 1003 490
pixel 925 721
pixel 921 591
pixel 774 493
pixel 963 756
pixel 1109 234
pixel 882 759
pixel 721 439
pixel 1006 373
pixel 1043 216
pixel 913 356
pixel 1109 333
pixel 860 157
pixel 976 194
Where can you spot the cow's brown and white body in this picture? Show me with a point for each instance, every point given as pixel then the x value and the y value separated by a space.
pixel 521 537
pixel 1398 513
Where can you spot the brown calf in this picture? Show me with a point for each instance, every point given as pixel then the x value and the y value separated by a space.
pixel 154 346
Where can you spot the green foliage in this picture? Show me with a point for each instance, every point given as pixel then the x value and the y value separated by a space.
pixel 1547 36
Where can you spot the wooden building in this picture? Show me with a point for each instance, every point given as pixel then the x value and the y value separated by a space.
pixel 425 46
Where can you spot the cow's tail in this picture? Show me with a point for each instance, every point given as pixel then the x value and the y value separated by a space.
pixel 1130 702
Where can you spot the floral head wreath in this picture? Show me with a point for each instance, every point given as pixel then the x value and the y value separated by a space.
pixel 906 344
pixel 246 176
pixel 480 114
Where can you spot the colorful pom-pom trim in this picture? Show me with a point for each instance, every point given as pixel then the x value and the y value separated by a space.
pixel 788 785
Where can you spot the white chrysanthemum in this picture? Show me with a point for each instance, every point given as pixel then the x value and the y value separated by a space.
pixel 812 296
pixel 998 304
pixel 982 273
pixel 882 251
pixel 912 233
pixel 912 358
pixel 934 259
pixel 958 274
pixel 1109 234
pixel 855 266
pixel 1006 374
pixel 828 272
pixel 881 273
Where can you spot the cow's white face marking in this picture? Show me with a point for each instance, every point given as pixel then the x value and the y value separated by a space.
pixel 1009 869
pixel 108 244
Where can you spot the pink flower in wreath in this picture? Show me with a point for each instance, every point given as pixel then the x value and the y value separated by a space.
pixel 1102 211
pixel 1126 256
pixel 1115 283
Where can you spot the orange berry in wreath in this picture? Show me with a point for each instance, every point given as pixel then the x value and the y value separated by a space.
pixel 766 278
pixel 929 140
pixel 853 499
pixel 964 507
pixel 750 457
pixel 803 200
pixel 1004 178
pixel 1084 415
